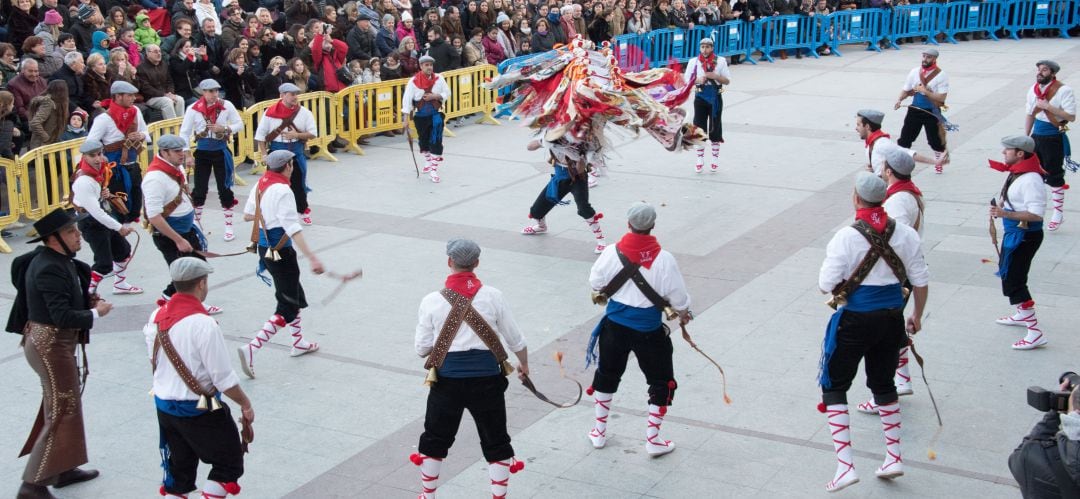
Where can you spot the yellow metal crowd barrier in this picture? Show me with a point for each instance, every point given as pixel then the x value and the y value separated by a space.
pixel 40 180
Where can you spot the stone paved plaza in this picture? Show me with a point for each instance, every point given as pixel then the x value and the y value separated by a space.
pixel 750 239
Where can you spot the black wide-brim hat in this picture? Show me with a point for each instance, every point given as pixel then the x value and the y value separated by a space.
pixel 53 222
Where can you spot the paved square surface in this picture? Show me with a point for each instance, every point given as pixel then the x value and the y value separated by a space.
pixel 750 239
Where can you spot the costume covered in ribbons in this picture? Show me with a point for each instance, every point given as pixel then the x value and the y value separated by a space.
pixel 187 433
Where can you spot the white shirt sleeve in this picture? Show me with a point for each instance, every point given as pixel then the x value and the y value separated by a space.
pixel 722 68
pixel 442 89
pixel 507 326
pixel 408 96
pixel 153 194
pixel 673 282
pixel 86 194
pixel 215 355
pixel 249 206
pixel 908 247
pixel 1068 99
pixel 424 339
pixel 306 122
pixel 832 269
pixel 912 80
pixel 232 118
pixel 142 126
pixel 97 131
pixel 187 127
pixel 263 129
pixel 692 67
pixel 1030 104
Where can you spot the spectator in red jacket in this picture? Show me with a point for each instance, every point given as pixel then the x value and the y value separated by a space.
pixel 328 55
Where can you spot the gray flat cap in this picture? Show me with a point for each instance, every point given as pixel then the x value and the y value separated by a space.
pixel 1021 142
pixel 931 52
pixel 188 268
pixel 899 160
pixel 641 216
pixel 870 187
pixel 278 159
pixel 705 41
pixel 209 84
pixel 427 58
pixel 463 252
pixel 91 145
pixel 1055 67
pixel 123 87
pixel 871 115
pixel 288 88
pixel 169 142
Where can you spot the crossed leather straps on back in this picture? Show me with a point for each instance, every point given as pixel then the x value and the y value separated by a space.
pixel 631 272
pixel 162 342
pixel 879 248
pixel 461 310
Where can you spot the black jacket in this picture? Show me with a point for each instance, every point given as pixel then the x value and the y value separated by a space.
pixel 76 95
pixel 361 44
pixel 50 289
pixel 1033 463
pixel 444 56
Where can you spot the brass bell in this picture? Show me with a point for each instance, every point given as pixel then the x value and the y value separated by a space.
pixel 201 405
pixel 273 255
pixel 507 368
pixel 431 378
pixel 252 248
pixel 215 404
pixel 670 313
pixel 599 298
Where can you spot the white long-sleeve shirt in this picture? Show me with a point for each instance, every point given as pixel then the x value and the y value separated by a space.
pixel 848 247
pixel 414 93
pixel 1027 193
pixel 159 189
pixel 304 122
pixel 939 85
pixel 277 208
pixel 488 302
pixel 104 130
pixel 86 194
pixel 904 208
pixel 195 122
pixel 197 339
pixel 664 277
pixel 1064 99
pixel 695 69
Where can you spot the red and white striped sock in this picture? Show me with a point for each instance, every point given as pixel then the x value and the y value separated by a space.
pixel 269 329
pixel 95 280
pixel 654 445
pixel 903 372
pixel 499 473
pixel 700 158
pixel 840 427
pixel 602 407
pixel 715 156
pixel 430 467
pixel 1057 196
pixel 890 425
pixel 300 345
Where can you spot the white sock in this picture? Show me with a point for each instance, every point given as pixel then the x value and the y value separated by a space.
pixel 602 407
pixel 890 425
pixel 903 374
pixel 840 427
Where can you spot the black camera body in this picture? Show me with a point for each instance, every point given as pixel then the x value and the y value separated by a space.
pixel 1053 400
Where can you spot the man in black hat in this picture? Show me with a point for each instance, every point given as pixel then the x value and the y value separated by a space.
pixel 54 311
pixel 1051 105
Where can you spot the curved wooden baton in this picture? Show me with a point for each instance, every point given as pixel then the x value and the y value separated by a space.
pixel 723 377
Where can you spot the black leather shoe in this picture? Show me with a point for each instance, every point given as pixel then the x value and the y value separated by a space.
pixel 75 476
pixel 31 491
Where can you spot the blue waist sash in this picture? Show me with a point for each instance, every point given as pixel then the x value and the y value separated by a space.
pixel 1014 235
pixel 183 224
pixel 710 94
pixel 208 144
pixel 469 364
pixel 552 192
pixel 297 148
pixel 644 320
pixel 923 102
pixel 269 239
pixel 1047 128
pixel 864 299
pixel 180 409
pixel 125 177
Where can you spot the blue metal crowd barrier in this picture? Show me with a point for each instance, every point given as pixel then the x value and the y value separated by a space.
pixel 915 21
pixel 857 26
pixel 1040 14
pixel 973 17
pixel 869 26
pixel 787 32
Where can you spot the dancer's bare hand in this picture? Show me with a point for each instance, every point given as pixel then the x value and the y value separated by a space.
pixel 248 413
pixel 103 307
pixel 317 266
pixel 125 230
pixel 914 325
pixel 523 371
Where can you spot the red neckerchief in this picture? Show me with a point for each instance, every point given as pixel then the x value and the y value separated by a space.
pixel 709 64
pixel 463 283
pixel 1041 94
pixel 425 82
pixel 270 178
pixel 903 185
pixel 209 111
pixel 160 165
pixel 1029 165
pixel 874 136
pixel 124 117
pixel 875 216
pixel 641 249
pixel 926 71
pixel 180 306
pixel 280 111
pixel 101 176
